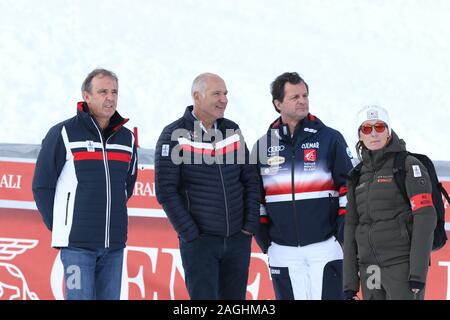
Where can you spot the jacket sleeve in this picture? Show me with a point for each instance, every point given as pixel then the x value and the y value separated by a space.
pixel 132 171
pixel 168 185
pixel 262 236
pixel 418 188
pixel 351 267
pixel 49 164
pixel 341 162
pixel 250 181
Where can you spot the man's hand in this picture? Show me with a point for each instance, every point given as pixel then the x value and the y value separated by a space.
pixel 247 233
pixel 351 295
pixel 415 287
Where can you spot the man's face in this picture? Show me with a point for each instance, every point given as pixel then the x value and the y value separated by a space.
pixel 212 105
pixel 102 100
pixel 295 105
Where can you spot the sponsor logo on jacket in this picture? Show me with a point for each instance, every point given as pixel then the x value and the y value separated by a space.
pixel 309 155
pixel 384 179
pixel 310 145
pixel 309 159
pixel 275 149
pixel 275 161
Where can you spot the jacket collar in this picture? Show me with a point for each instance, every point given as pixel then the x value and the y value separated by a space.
pixel 115 123
pixel 190 121
pixel 375 159
pixel 307 127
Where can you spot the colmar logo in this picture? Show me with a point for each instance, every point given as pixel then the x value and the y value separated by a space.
pixel 310 155
pixel 311 145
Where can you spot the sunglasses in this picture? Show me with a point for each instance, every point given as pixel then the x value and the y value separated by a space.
pixel 367 128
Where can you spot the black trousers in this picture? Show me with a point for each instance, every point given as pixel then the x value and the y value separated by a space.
pixel 216 267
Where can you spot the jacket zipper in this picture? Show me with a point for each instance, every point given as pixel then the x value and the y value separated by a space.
pixel 372 224
pixel 223 188
pixel 294 209
pixel 224 196
pixel 108 185
pixel 67 207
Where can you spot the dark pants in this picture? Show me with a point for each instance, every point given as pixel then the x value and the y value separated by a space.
pixel 393 283
pixel 216 267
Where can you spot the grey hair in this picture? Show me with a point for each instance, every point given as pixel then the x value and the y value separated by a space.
pixel 87 83
pixel 199 84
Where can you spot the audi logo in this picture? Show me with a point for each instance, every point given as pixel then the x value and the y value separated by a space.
pixel 275 149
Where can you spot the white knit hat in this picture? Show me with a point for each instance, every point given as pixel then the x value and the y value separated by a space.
pixel 373 113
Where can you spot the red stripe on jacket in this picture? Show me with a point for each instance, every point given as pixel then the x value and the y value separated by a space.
pixel 98 155
pixel 300 187
pixel 211 152
pixel 264 220
pixel 343 191
pixel 119 156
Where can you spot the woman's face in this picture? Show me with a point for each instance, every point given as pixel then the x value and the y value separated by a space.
pixel 374 134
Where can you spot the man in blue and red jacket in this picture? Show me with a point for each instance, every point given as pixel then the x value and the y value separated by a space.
pixel 85 174
pixel 210 193
pixel 302 164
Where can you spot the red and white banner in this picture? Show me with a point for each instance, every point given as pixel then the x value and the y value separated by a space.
pixel 31 269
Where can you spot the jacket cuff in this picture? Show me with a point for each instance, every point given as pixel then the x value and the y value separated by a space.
pixel 416 285
pixel 349 294
pixel 188 237
pixel 250 227
pixel 262 238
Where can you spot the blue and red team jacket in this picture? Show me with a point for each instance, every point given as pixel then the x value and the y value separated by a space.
pixel 304 182
pixel 83 179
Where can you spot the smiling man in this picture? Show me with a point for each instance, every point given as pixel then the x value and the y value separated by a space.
pixel 211 196
pixel 84 176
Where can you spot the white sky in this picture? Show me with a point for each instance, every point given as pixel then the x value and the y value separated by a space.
pixel 351 52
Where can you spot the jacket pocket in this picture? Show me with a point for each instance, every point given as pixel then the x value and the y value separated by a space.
pixel 405 225
pixel 404 230
pixel 67 207
pixel 332 281
pixel 333 204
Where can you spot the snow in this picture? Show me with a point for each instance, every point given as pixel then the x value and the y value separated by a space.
pixel 352 53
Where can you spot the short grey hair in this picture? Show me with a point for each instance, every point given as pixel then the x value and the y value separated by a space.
pixel 199 84
pixel 87 83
